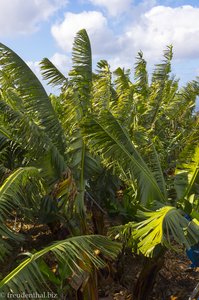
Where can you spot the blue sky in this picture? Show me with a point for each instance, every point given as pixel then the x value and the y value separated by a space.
pixel 118 29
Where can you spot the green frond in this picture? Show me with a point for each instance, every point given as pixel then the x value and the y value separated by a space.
pixel 160 227
pixel 155 167
pixel 141 75
pixel 10 190
pixel 34 140
pixel 91 166
pixel 11 155
pixel 194 172
pixel 162 71
pixel 12 98
pixel 183 103
pixel 122 81
pixel 82 57
pixel 32 93
pixel 80 98
pixel 12 193
pixel 187 175
pixel 187 99
pixel 52 164
pixel 190 138
pixel 105 136
pixel 125 106
pixel 72 111
pixel 102 87
pixel 81 73
pixel 52 74
pixel 4 137
pixel 159 80
pixel 84 166
pixel 21 128
pixel 77 253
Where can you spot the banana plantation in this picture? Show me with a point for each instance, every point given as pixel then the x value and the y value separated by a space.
pixel 108 166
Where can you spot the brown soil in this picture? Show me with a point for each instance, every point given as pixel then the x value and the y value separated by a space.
pixel 175 281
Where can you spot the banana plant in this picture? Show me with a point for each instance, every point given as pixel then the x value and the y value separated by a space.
pixel 132 131
pixel 137 130
pixel 162 222
pixel 139 134
pixel 80 255
pixel 48 175
pixel 187 184
pixel 83 94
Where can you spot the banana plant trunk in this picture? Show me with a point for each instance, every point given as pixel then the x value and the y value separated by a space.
pixel 145 283
pixel 90 291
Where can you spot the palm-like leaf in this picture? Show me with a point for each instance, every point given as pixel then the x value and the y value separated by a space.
pixel 37 142
pixel 81 82
pixel 155 167
pixel 77 253
pixel 91 165
pixel 163 224
pixel 9 191
pixel 161 72
pixel 102 87
pixel 187 178
pixel 193 174
pixel 108 138
pixel 82 57
pixel 52 74
pixel 31 91
pixel 159 80
pixel 125 107
pixel 11 198
pixel 81 73
pixel 161 227
pixel 11 96
pixel 141 75
pixel 4 137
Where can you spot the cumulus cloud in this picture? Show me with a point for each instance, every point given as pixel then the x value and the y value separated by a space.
pixel 102 38
pixel 161 26
pixel 148 28
pixel 24 16
pixel 114 7
pixel 62 62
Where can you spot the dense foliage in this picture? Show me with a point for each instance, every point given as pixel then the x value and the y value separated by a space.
pixel 107 145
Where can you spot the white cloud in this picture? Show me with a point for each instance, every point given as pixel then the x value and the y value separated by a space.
pixel 114 7
pixel 146 27
pixel 102 38
pixel 24 16
pixel 120 62
pixel 161 26
pixel 62 62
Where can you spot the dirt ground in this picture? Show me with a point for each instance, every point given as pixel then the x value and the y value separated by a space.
pixel 176 281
